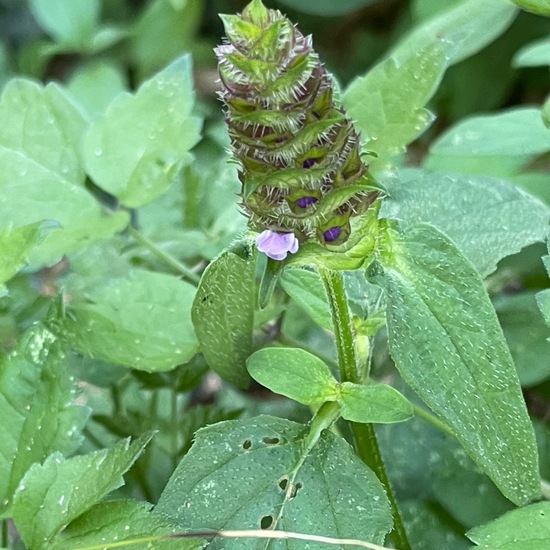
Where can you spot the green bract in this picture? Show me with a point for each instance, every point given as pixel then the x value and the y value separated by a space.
pixel 299 154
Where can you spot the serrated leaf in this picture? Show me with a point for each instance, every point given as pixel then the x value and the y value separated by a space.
pixel 446 342
pixel 467 27
pixel 38 417
pixel 487 218
pixel 387 104
pixel 294 373
pixel 540 7
pixel 119 522
pixel 223 313
pixel 68 21
pixel 522 529
pixel 141 321
pixel 373 403
pixel 238 475
pixel 42 176
pixel 137 148
pixel 53 494
pixel 306 288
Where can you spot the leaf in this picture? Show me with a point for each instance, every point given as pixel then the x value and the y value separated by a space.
pixel 15 245
pixel 53 494
pixel 526 334
pixel 119 522
pixel 306 288
pixel 534 54
pixel 326 8
pixel 223 313
pixel 42 176
pixel 374 403
pixel 543 297
pixel 36 393
pixel 447 344
pixel 540 7
pixel 387 104
pixel 137 148
pixel 95 85
pixel 238 475
pixel 294 373
pixel 68 21
pixel 515 132
pixel 141 321
pixel 487 218
pixel 522 529
pixel 467 28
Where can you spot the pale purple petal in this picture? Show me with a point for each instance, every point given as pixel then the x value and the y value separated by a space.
pixel 277 245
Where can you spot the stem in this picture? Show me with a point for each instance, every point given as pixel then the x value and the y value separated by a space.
pixel 4 536
pixel 186 272
pixel 545 489
pixel 428 417
pixel 366 443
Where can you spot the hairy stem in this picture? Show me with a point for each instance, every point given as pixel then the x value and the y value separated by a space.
pixel 186 272
pixel 366 443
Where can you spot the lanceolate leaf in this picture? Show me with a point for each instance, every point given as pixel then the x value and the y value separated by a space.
pixel 487 218
pixel 540 7
pixel 523 529
pixel 223 313
pixel 36 413
pixel 239 475
pixel 543 298
pixel 447 344
pixel 52 494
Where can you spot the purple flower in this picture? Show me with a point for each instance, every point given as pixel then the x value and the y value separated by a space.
pixel 277 245
pixel 332 234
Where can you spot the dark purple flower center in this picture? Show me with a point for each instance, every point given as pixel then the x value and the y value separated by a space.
pixel 331 234
pixel 308 163
pixel 304 202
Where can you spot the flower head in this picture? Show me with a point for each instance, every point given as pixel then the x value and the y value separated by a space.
pixel 277 245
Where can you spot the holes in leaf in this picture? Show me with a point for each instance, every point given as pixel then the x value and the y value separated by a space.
pixel 283 483
pixel 271 440
pixel 266 522
pixel 247 444
pixel 295 488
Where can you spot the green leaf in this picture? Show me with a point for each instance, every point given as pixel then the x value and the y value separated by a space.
pixel 546 113
pixel 540 7
pixel 223 313
pixel 118 522
pixel 387 104
pixel 15 245
pixel 326 8
pixel 523 529
pixel 53 494
pixel 294 373
pixel 42 177
pixel 526 334
pixel 141 321
pixel 38 418
pixel 467 27
pixel 516 132
pixel 240 475
pixel 534 54
pixel 543 298
pixel 68 21
pixel 306 288
pixel 137 148
pixel 487 218
pixel 95 85
pixel 374 403
pixel 446 342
